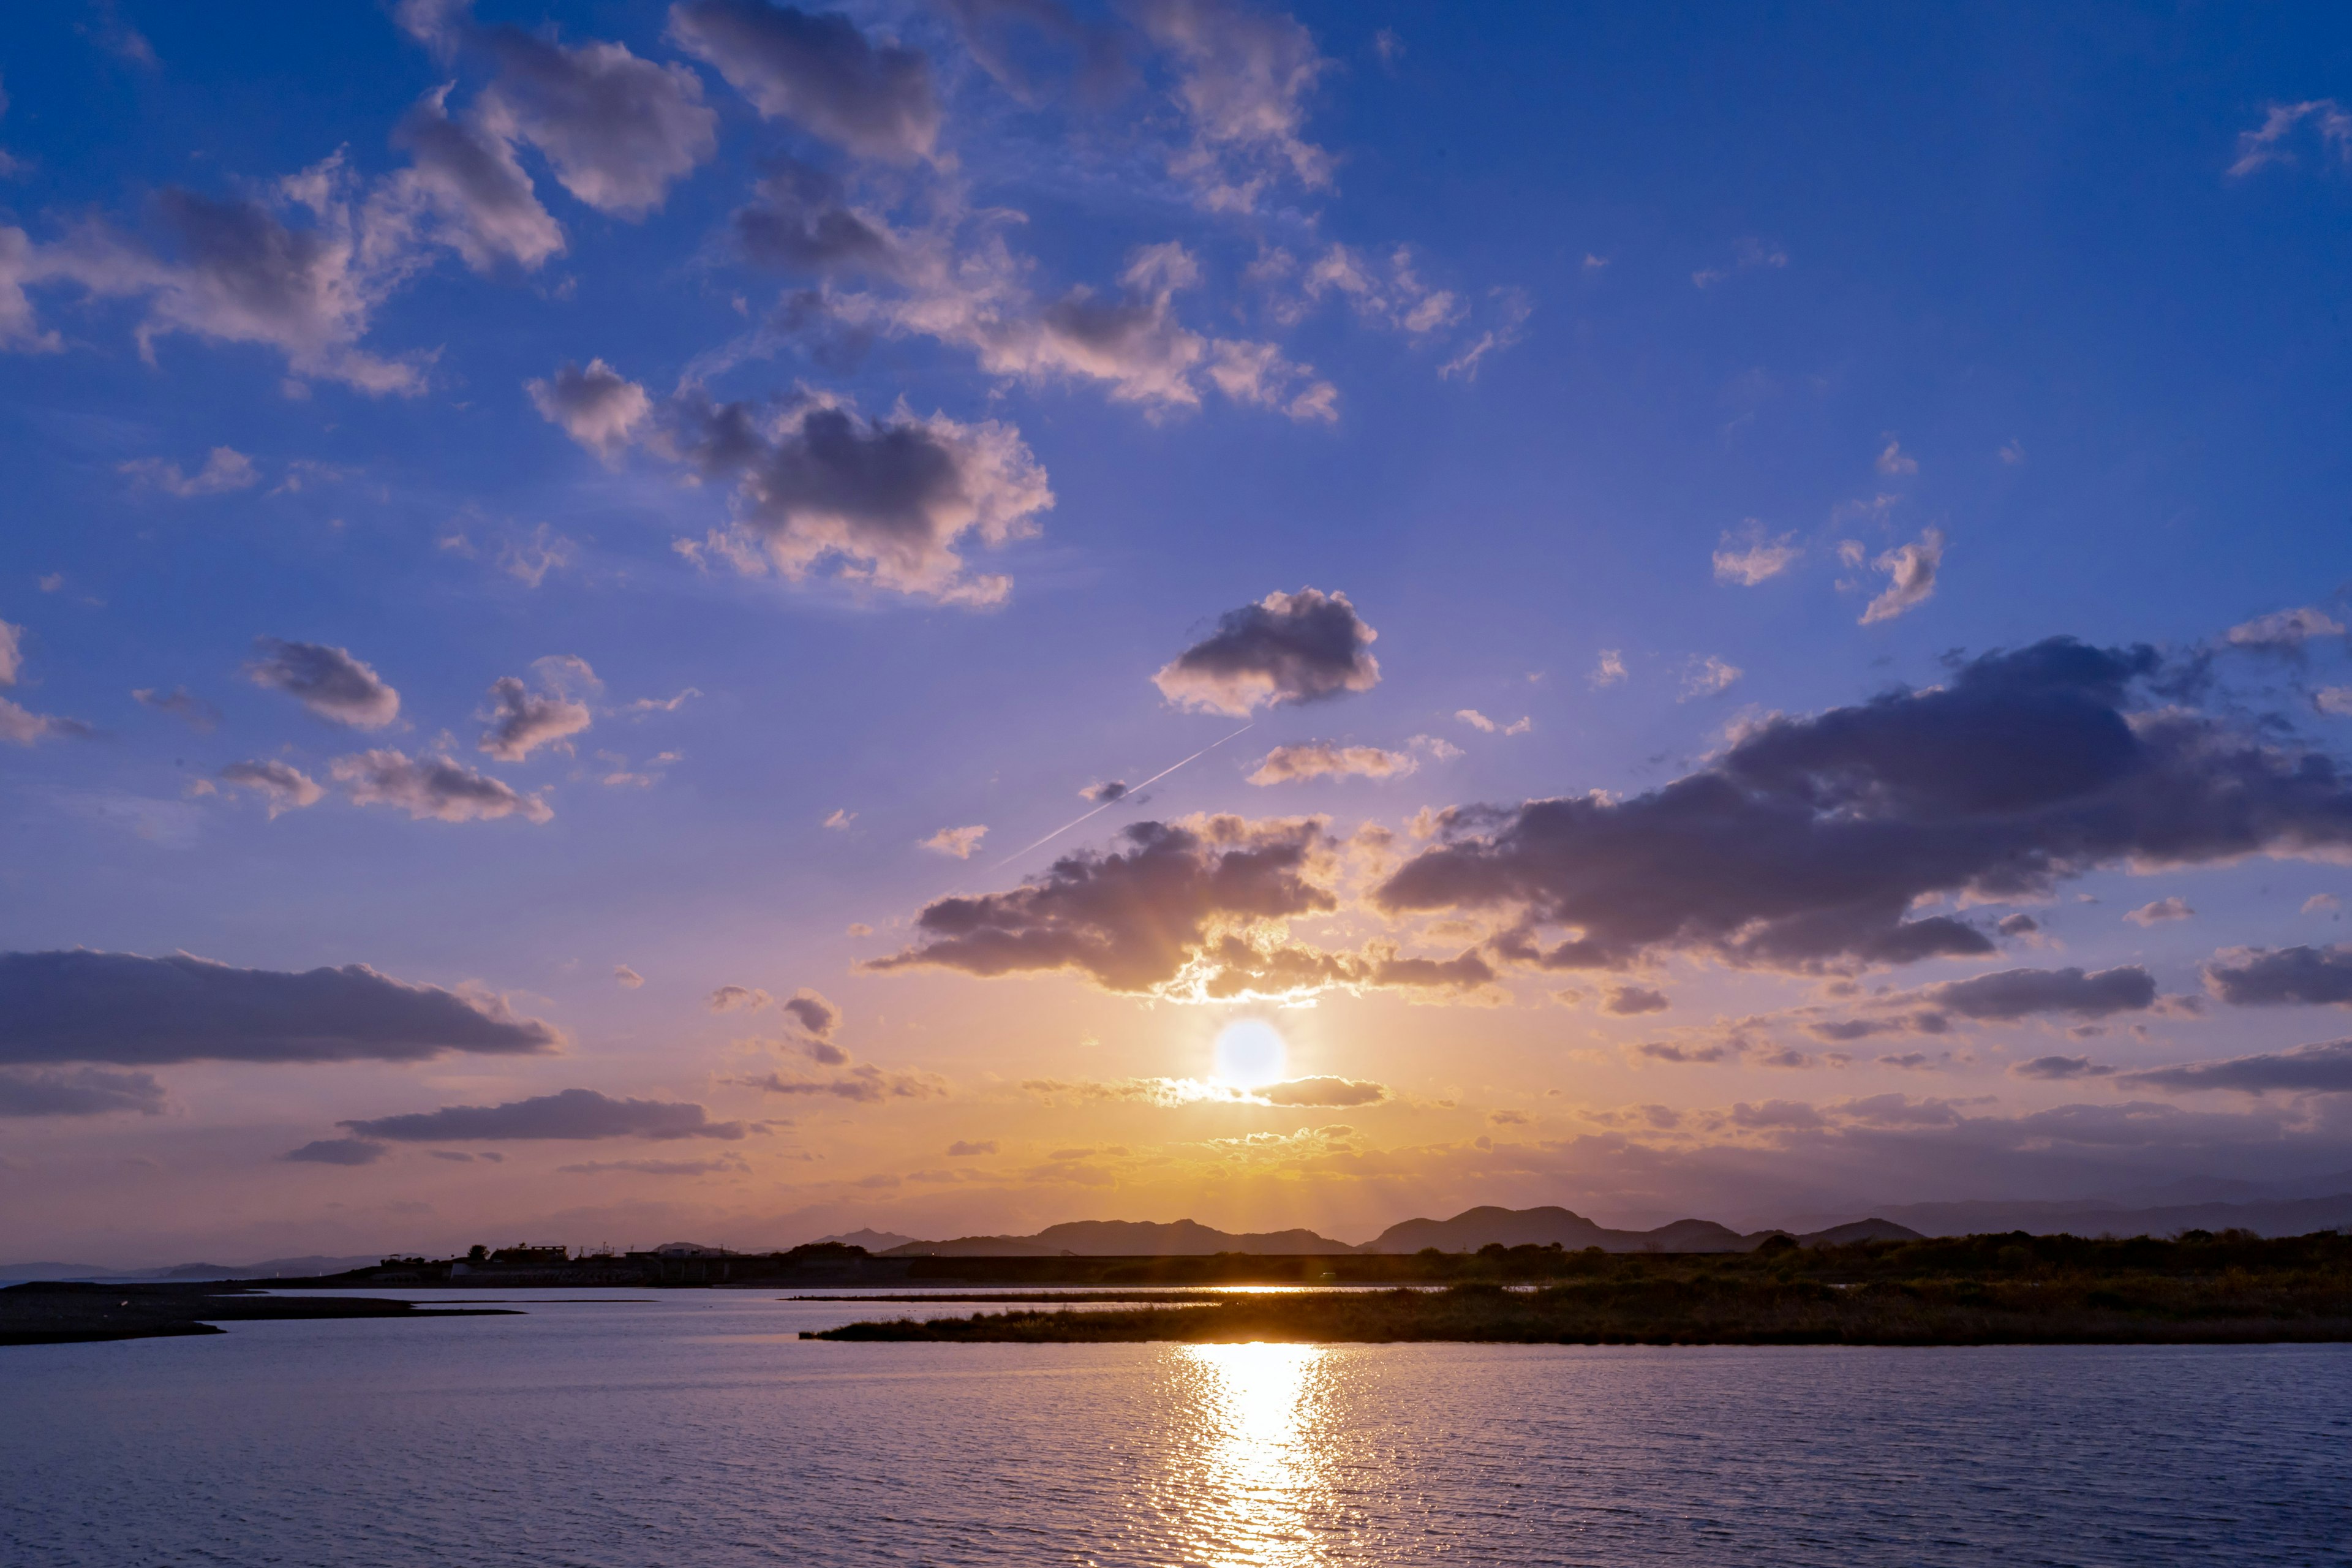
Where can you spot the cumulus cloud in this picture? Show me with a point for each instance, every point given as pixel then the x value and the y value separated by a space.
pixel 440 788
pixel 1327 759
pixel 327 681
pixel 2159 911
pixel 1807 842
pixel 1104 793
pixel 817 70
pixel 2260 977
pixel 1748 557
pixel 1895 461
pixel 226 468
pixel 1322 1091
pixel 963 1149
pixel 465 188
pixel 626 978
pixel 1628 1001
pixel 1911 577
pixel 282 786
pixel 2307 1070
pixel 1243 80
pixel 2283 631
pixel 864 1084
pixel 76 1091
pixel 618 131
pixel 1609 668
pixel 727 1164
pixel 573 1114
pixel 1286 648
pixel 887 503
pixel 2012 994
pixel 520 720
pixel 960 842
pixel 180 703
pixel 801 219
pixel 338 1151
pixel 12 654
pixel 2019 924
pixel 1479 721
pixel 598 407
pixel 121 1007
pixel 1708 677
pixel 739 999
pixel 812 1013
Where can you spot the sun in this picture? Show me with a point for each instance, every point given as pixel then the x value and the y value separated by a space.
pixel 1251 1053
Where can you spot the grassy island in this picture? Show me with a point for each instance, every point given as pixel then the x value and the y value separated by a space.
pixel 1985 1290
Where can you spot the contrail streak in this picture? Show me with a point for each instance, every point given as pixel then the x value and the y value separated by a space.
pixel 1109 804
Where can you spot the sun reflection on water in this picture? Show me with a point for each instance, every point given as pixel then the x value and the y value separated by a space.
pixel 1260 1492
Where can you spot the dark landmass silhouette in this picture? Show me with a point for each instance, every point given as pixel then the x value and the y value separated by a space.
pixel 2233 1288
pixel 79 1312
pixel 1128 1238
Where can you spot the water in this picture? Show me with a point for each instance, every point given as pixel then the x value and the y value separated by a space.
pixel 696 1429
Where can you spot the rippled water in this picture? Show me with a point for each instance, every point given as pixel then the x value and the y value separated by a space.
pixel 695 1428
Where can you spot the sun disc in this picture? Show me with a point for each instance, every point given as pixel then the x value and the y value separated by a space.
pixel 1250 1053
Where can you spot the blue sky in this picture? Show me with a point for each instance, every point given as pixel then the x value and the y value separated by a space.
pixel 1777 362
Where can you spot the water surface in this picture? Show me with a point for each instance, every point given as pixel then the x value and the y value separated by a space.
pixel 608 1430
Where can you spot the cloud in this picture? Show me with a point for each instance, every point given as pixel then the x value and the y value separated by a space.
pixel 2012 994
pixel 618 131
pixel 2159 911
pixel 959 841
pixel 812 1013
pixel 1628 1001
pixel 1286 648
pixel 2017 925
pixel 226 468
pixel 864 1084
pixel 338 1151
pixel 1104 792
pixel 1326 759
pixel 520 720
pixel 2056 1069
pixel 1911 571
pixel 961 1148
pixel 1515 309
pixel 739 999
pixel 1894 461
pixel 12 654
pixel 2307 1070
pixel 282 786
pixel 2259 977
pixel 121 1007
pixel 437 787
pixel 1708 676
pixel 1609 668
pixel 626 978
pixel 1477 721
pixel 2266 143
pixel 77 1091
pixel 1806 843
pixel 327 681
pixel 818 71
pixel 1746 253
pixel 1242 79
pixel 1302 1091
pixel 465 188
pixel 194 711
pixel 2321 903
pixel 886 503
pixel 800 220
pixel 2285 630
pixel 2333 699
pixel 573 1114
pixel 598 407
pixel 1748 557
pixel 726 1164
pixel 841 819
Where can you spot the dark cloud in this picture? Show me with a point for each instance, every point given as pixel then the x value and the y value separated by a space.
pixel 327 681
pixel 338 1151
pixel 1627 1001
pixel 282 786
pixel 573 1114
pixel 480 201
pixel 1668 1051
pixel 1287 648
pixel 812 1013
pixel 520 720
pixel 1108 791
pixel 617 130
pixel 726 1164
pixel 1805 845
pixel 882 503
pixel 194 711
pixel 2017 925
pixel 2260 977
pixel 1323 1092
pixel 963 1149
pixel 800 220
pixel 864 1083
pixel 76 1091
pixel 121 1007
pixel 2019 993
pixel 2059 1067
pixel 817 70
pixel 436 787
pixel 598 407
pixel 1133 918
pixel 996 31
pixel 2320 1069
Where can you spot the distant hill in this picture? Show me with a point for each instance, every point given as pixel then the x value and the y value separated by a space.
pixel 272 1268
pixel 870 1240
pixel 16 1271
pixel 1473 1228
pixel 1127 1238
pixel 2278 1217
